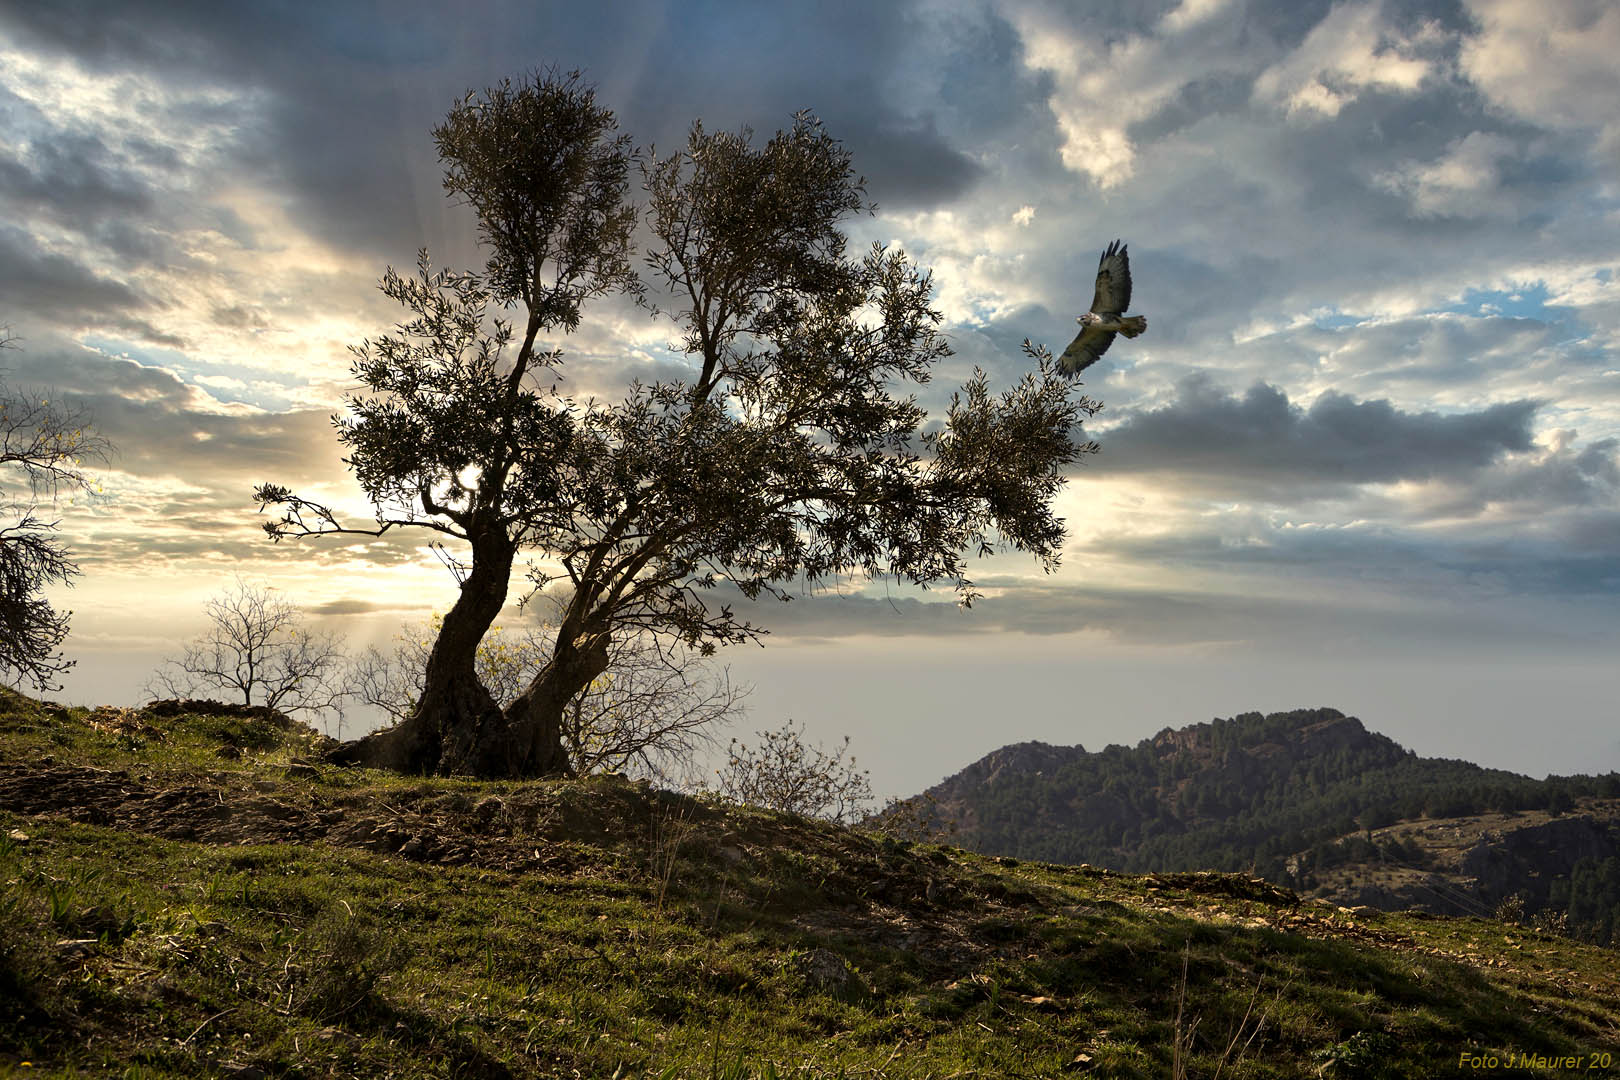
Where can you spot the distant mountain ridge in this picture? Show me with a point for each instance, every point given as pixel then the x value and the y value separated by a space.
pixel 1290 796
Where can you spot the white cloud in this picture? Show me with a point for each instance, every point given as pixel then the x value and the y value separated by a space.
pixel 1349 51
pixel 1191 13
pixel 125 109
pixel 977 257
pixel 1461 182
pixel 1551 63
pixel 1102 85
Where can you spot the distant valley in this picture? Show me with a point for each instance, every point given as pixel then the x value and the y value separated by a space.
pixel 1308 799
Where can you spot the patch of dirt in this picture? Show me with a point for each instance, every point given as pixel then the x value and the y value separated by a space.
pixel 527 830
pixel 210 707
pixel 110 718
pixel 1232 886
pixel 942 943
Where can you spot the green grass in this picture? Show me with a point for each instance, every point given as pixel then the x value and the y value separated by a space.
pixel 375 925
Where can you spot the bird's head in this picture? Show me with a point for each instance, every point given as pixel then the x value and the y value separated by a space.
pixel 1090 318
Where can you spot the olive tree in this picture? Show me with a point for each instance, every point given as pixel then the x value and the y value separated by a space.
pixel 792 456
pixel 43 447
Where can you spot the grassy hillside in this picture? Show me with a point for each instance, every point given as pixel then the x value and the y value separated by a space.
pixel 188 895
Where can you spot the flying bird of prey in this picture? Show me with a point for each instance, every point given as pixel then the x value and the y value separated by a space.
pixel 1107 315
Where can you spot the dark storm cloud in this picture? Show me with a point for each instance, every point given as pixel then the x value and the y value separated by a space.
pixel 71 177
pixel 1284 22
pixel 992 98
pixel 46 283
pixel 1571 558
pixel 1583 476
pixel 163 427
pixel 1210 95
pixel 105 35
pixel 1438 616
pixel 1261 442
pixel 354 91
pixel 734 65
pixel 140 243
pixel 905 169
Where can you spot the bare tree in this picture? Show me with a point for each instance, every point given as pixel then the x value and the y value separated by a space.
pixel 44 446
pixel 782 773
pixel 258 648
pixel 649 713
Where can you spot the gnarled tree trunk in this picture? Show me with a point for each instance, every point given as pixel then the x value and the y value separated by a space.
pixel 536 718
pixel 456 727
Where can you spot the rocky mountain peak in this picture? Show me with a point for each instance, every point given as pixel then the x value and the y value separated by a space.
pixel 1018 759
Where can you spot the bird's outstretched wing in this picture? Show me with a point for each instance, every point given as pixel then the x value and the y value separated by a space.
pixel 1111 298
pixel 1086 349
pixel 1113 293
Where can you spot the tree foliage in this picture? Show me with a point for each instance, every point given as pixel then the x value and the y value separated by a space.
pixel 792 456
pixel 43 448
pixel 257 647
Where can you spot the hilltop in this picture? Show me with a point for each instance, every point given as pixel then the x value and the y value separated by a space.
pixel 1309 799
pixel 187 891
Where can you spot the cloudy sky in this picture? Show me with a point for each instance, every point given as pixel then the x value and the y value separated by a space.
pixel 1367 455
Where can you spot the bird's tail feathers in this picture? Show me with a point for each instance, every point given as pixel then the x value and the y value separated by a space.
pixel 1133 325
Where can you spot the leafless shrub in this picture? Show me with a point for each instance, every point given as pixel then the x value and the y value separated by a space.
pixel 782 773
pixel 651 712
pixel 917 819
